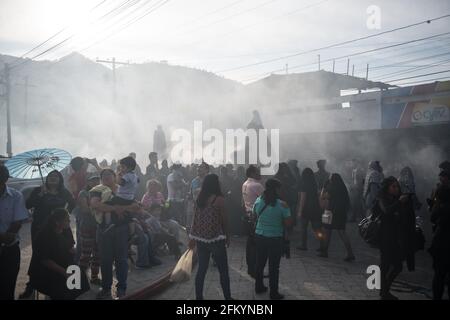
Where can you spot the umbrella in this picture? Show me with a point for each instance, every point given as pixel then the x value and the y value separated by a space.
pixel 37 163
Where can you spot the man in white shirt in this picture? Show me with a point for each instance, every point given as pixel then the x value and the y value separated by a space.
pixel 251 190
pixel 12 213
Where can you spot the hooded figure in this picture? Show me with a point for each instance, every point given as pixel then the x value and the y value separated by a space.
pixel 321 174
pixel 256 122
pixel 406 181
pixel 408 186
pixel 372 183
pixel 159 142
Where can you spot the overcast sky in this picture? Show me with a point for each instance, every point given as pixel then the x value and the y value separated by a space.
pixel 217 35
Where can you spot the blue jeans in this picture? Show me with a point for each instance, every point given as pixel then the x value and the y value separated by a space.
pixel 113 247
pixel 219 253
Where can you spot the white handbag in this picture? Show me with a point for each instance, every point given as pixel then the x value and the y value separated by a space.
pixel 183 269
pixel 327 217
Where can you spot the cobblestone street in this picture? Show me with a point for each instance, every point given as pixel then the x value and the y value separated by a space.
pixel 306 276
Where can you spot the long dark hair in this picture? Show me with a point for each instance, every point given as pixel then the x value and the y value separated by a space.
pixel 270 194
pixel 309 186
pixel 284 172
pixel 383 194
pixel 337 189
pixel 60 187
pixel 210 186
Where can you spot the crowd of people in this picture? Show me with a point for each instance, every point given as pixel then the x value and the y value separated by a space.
pixel 119 206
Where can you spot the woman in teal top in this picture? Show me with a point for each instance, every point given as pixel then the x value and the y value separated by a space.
pixel 273 215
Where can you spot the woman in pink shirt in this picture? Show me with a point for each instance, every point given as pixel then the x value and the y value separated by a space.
pixel 251 190
pixel 153 194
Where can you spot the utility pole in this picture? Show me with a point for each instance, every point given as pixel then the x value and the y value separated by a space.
pixel 334 63
pixel 367 72
pixel 6 83
pixel 353 70
pixel 26 85
pixel 114 63
pixel 318 56
pixel 348 65
pixel 26 99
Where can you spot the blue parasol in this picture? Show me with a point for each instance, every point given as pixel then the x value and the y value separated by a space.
pixel 37 163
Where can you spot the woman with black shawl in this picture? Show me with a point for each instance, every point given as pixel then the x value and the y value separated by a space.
pixel 309 210
pixel 338 202
pixel 43 200
pixel 396 230
pixel 53 253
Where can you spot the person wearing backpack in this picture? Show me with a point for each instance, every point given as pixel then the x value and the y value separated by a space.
pixel 209 233
pixel 272 216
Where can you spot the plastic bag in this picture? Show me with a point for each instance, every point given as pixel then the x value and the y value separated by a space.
pixel 327 217
pixel 183 269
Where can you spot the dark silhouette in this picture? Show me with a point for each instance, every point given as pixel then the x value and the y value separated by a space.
pixel 338 202
pixel 159 142
pixel 396 230
pixel 309 209
pixel 440 244
pixel 53 253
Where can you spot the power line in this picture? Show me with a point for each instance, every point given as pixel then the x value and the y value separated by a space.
pixel 124 17
pixel 419 76
pixel 424 81
pixel 402 63
pixel 110 15
pixel 362 52
pixel 120 8
pixel 225 58
pixel 220 36
pixel 388 57
pixel 58 33
pixel 154 8
pixel 335 45
pixel 413 69
pixel 113 13
pixel 383 58
pixel 229 17
pixel 209 14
